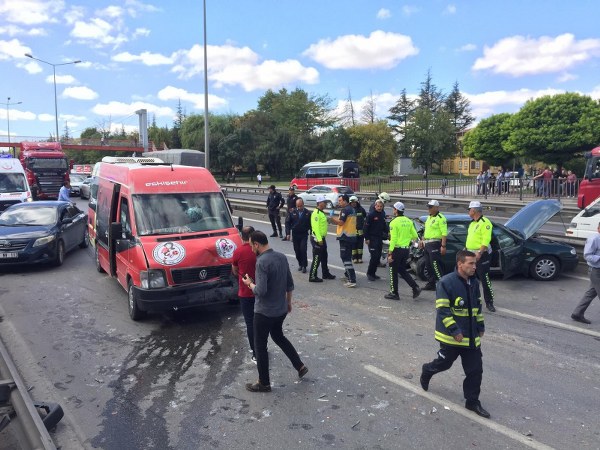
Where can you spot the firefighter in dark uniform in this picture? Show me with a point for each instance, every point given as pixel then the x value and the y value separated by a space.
pixel 290 204
pixel 298 223
pixel 402 233
pixel 459 328
pixel 434 243
pixel 318 221
pixel 479 238
pixel 357 249
pixel 376 230
pixel 274 203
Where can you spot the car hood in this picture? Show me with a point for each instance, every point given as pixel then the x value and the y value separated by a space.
pixel 532 217
pixel 32 232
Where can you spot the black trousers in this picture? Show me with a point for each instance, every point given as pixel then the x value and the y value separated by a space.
pixel 375 248
pixel 247 305
pixel 300 241
pixel 319 258
pixel 471 359
pixel 434 261
pixel 263 327
pixel 275 219
pixel 398 267
pixel 483 273
pixel 346 257
pixel 357 247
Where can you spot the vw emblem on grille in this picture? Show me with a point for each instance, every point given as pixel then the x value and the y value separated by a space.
pixel 5 244
pixel 202 274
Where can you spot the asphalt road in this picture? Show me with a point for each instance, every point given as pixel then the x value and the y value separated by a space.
pixel 176 380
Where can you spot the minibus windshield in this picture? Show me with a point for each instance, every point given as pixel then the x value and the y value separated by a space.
pixel 180 213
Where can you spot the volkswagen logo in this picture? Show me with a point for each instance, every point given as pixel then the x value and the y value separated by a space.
pixel 5 243
pixel 202 274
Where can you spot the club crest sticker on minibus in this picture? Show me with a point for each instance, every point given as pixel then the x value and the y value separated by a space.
pixel 168 253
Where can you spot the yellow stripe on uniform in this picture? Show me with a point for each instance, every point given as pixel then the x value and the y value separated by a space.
pixel 442 303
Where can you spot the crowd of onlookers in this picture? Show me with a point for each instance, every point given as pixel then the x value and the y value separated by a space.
pixel 544 182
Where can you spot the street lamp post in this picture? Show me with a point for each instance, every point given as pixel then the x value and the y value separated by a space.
pixel 54 77
pixel 8 104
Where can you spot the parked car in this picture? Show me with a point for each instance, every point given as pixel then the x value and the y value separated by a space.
pixel 515 248
pixel 585 224
pixel 330 191
pixel 84 189
pixel 76 181
pixel 41 232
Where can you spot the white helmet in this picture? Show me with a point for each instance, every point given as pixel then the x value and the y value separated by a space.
pixel 384 196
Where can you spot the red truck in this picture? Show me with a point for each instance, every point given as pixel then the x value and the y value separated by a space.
pixel 46 168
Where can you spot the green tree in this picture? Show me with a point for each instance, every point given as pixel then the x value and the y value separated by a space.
pixel 555 129
pixel 487 141
pixel 377 146
pixel 337 144
pixel 400 116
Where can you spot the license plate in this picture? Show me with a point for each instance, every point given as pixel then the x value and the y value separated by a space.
pixel 9 255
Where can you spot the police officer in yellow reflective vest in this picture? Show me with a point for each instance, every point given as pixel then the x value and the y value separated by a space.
pixel 434 243
pixel 402 233
pixel 479 238
pixel 318 223
pixel 459 328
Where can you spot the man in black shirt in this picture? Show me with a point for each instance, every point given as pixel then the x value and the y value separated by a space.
pixel 274 203
pixel 297 223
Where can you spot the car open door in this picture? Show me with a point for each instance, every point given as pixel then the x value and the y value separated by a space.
pixel 510 251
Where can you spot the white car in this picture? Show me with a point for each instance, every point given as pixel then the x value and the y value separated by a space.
pixel 585 224
pixel 330 191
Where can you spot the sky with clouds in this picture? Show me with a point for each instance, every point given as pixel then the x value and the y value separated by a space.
pixel 149 54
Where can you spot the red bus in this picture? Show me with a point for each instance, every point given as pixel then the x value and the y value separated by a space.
pixel 589 188
pixel 335 171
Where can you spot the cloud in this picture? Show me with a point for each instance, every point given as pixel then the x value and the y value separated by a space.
pixel 380 50
pixel 17 114
pixel 30 12
pixel 135 6
pixel 450 9
pixel 566 77
pixel 518 56
pixel 383 103
pixel 98 33
pixel 46 117
pixel 146 58
pixel 112 12
pixel 74 14
pixel 384 13
pixel 61 79
pixel 141 32
pixel 31 67
pixel 14 30
pixel 595 94
pixel 80 93
pixel 467 48
pixel 121 109
pixel 172 93
pixel 13 49
pixel 409 10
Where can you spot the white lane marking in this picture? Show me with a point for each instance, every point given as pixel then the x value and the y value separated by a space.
pixel 459 409
pixel 549 322
pixel 575 277
pixel 508 312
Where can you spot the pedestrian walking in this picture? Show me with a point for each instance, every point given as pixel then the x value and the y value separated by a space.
pixel 479 181
pixel 376 230
pixel 273 292
pixel 244 262
pixel 259 179
pixel 444 185
pixel 459 327
pixel 346 236
pixel 290 204
pixel 274 203
pixel 479 237
pixel 434 243
pixel 297 223
pixel 318 242
pixel 402 233
pixel 357 248
pixel 591 253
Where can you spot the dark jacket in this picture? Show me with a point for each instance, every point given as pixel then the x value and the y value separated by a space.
pixel 291 201
pixel 297 224
pixel 376 227
pixel 361 214
pixel 458 307
pixel 274 201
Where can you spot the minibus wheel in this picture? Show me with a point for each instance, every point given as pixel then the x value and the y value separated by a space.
pixel 97 258
pixel 132 304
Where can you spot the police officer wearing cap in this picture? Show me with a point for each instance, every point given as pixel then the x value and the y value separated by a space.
pixel 479 238
pixel 274 203
pixel 402 233
pixel 434 243
pixel 318 221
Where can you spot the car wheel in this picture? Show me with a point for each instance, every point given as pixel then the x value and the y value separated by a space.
pixel 329 205
pixel 59 259
pixel 545 268
pixel 86 239
pixel 132 304
pixel 422 269
pixel 97 258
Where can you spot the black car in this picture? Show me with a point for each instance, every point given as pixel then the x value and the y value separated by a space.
pixel 515 248
pixel 41 232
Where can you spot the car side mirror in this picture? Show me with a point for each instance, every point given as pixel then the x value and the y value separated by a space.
pixel 116 229
pixel 66 220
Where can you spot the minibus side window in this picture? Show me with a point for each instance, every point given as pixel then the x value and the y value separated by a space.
pixel 125 222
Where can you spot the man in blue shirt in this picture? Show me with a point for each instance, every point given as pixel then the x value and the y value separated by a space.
pixel 591 253
pixel 65 192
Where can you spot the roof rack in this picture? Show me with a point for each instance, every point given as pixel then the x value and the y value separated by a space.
pixel 131 160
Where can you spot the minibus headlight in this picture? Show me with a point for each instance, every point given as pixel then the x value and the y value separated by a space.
pixel 43 241
pixel 153 279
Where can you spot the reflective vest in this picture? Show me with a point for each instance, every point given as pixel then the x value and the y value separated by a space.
pixel 435 227
pixel 318 224
pixel 458 307
pixel 402 232
pixel 479 234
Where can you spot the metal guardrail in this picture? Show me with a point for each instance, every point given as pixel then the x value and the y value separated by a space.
pixel 19 411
